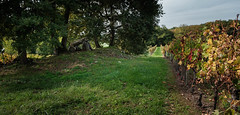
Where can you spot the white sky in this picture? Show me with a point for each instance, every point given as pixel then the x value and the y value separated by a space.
pixel 193 12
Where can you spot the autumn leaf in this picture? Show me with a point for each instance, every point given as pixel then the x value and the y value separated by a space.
pixel 238 72
pixel 188 67
pixel 230 61
pixel 210 42
pixel 208 78
pixel 180 63
pixel 218 30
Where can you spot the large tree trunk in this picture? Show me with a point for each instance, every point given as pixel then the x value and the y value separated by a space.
pixel 112 37
pixel 112 28
pixel 96 43
pixel 63 47
pixel 53 20
pixel 22 56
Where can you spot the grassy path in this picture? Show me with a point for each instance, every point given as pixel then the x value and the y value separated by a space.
pixel 157 52
pixel 105 85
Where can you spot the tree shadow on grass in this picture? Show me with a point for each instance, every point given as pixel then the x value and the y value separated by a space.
pixel 130 79
pixel 36 81
pixel 109 78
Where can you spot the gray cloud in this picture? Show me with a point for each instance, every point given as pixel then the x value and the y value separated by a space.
pixel 192 12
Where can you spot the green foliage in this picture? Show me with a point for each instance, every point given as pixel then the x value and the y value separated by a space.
pixel 128 24
pixel 161 36
pixel 28 31
pixel 29 23
pixel 43 26
pixel 7 44
pixel 136 31
pixel 45 48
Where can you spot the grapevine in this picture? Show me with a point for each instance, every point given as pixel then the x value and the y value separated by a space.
pixel 213 54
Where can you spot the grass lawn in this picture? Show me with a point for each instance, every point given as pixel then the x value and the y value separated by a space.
pixel 157 52
pixel 101 82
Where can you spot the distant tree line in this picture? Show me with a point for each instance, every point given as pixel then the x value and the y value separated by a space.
pixel 49 26
pixel 197 29
pixel 161 36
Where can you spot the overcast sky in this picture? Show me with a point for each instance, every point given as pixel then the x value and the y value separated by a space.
pixel 193 12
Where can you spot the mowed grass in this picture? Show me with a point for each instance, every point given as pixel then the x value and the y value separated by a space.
pixel 157 52
pixel 106 84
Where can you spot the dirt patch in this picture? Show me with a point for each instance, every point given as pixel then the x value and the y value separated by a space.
pixel 76 64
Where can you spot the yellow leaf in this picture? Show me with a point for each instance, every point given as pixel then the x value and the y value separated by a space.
pixel 218 30
pixel 238 72
pixel 180 63
pixel 225 96
pixel 192 65
pixel 214 68
pixel 210 33
pixel 188 67
pixel 230 61
pixel 215 55
pixel 237 61
pixel 210 42
pixel 210 59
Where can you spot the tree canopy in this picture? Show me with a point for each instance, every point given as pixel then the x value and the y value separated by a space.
pixel 161 36
pixel 49 26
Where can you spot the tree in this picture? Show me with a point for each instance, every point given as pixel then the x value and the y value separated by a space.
pixel 126 23
pixel 161 36
pixel 47 24
pixel 138 22
pixel 117 13
pixel 27 23
pixel 67 7
pixel 94 22
pixel 110 13
pixel 22 24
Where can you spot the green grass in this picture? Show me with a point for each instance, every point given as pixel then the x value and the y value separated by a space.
pixel 157 52
pixel 102 81
pixel 107 85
